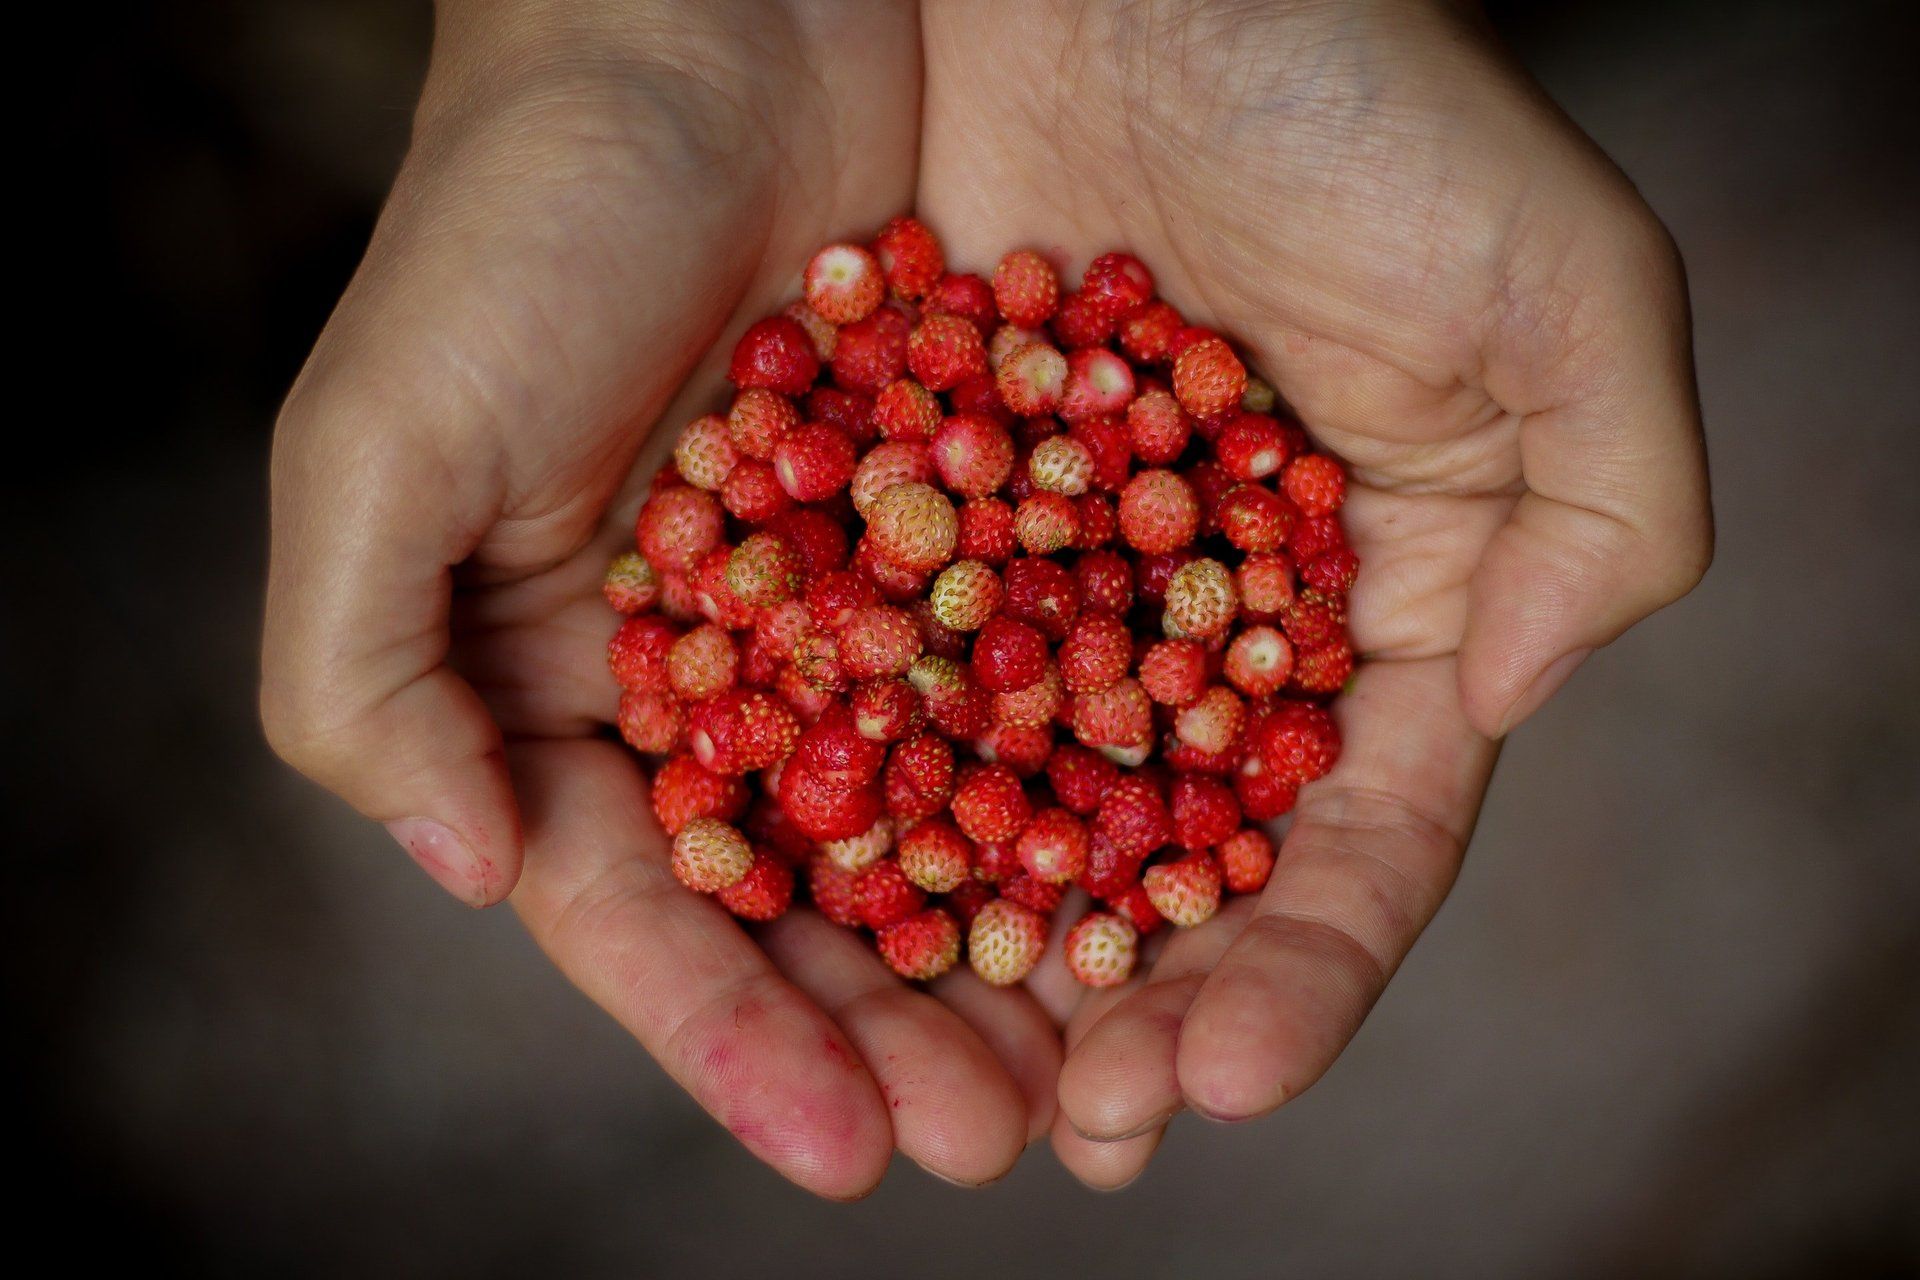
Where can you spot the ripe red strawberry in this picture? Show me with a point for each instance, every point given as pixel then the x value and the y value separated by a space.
pixel 1186 892
pixel 913 525
pixel 1201 601
pixel 1254 518
pixel 1025 289
pixel 886 710
pixel 683 791
pixel 986 531
pixel 758 421
pixel 1033 706
pixel 775 353
pixel 764 570
pixel 813 462
pixel 878 640
pixel 919 777
pixel 1246 860
pixel 1045 523
pixel 832 891
pixel 905 410
pixel 1061 464
pixel 1032 379
pixel 965 595
pixel 1297 742
pixel 1110 870
pixel 637 654
pixel 883 895
pixel 1005 942
pixel 1311 620
pixel 966 297
pixel 886 465
pixel 764 893
pixel 1152 573
pixel 1134 816
pixel 1316 484
pixel 1042 594
pixel 631 584
pixel 1147 335
pixel 944 351
pixel 678 526
pixel 995 862
pixel 1212 724
pixel 716 600
pixel 921 947
pixel 1098 382
pixel 650 722
pixel 870 353
pixel 1205 812
pixel 968 900
pixel 819 330
pixel 816 537
pixel 701 663
pixel 825 811
pixel 1080 323
pixel 1323 669
pixel 1118 716
pixel 935 856
pixel 741 730
pixel 1259 661
pixel 1096 653
pixel 1135 907
pixel 973 455
pixel 1158 426
pixel 958 708
pixel 1208 378
pixel 1023 748
pixel 1109 444
pixel 836 752
pixel 1331 572
pixel 1265 583
pixel 1117 285
pixel 1033 894
pixel 833 597
pixel 1102 948
pixel 1080 778
pixel 1315 536
pixel 709 855
pixel 911 257
pixel 857 853
pixel 1251 447
pixel 1158 512
pixel 1054 846
pixel 989 804
pixel 1174 672
pixel 1008 655
pixel 844 283
pixel 1105 579
pixel 753 494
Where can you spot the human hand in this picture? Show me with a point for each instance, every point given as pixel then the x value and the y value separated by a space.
pixel 1458 294
pixel 597 195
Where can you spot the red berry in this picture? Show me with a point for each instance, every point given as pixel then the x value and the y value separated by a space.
pixel 921 947
pixel 1096 653
pixel 1316 484
pixel 1081 323
pixel 944 351
pixel 1105 579
pixel 935 856
pixel 1186 892
pixel 884 896
pixel 777 354
pixel 650 722
pixel 974 455
pixel 678 526
pixel 989 804
pixel 913 525
pixel 1101 949
pixel 986 531
pixel 1208 378
pixel 1025 289
pixel 1080 778
pixel 1008 655
pixel 1117 285
pixel 1259 661
pixel 764 893
pixel 701 663
pixel 1297 742
pixel 1246 860
pixel 844 283
pixel 1134 816
pixel 1158 512
pixel 905 410
pixel 1054 846
pixel 870 353
pixel 683 790
pixel 910 256
pixel 1205 812
pixel 814 462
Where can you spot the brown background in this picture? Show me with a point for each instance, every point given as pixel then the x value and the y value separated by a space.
pixel 1669 1023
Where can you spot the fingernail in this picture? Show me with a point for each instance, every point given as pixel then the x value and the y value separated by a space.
pixel 1158 1121
pixel 1544 686
pixel 446 857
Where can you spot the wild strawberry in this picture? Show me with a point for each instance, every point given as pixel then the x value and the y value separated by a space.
pixel 956 706
pixel 1174 672
pixel 905 410
pixel 1213 722
pixel 1311 620
pixel 832 891
pixel 741 730
pixel 1101 949
pixel 965 595
pixel 682 791
pixel 1134 816
pixel 996 862
pixel 974 455
pixel 1033 893
pixel 1109 444
pixel 813 462
pixel 1033 379
pixel 857 853
pixel 1259 661
pixel 1054 846
pixel 816 538
pixel 1316 484
pixel 705 452
pixel 886 710
pixel 1023 748
pixel 1251 447
pixel 1041 593
pixel 1098 382
pixel 677 600
pixel 637 654
pixel 1005 942
pixel 1117 285
pixel 843 283
pixel 824 811
pixel 913 525
pixel 753 494
pixel 935 856
pixel 650 722
pixel 1096 653
pixel 761 660
pixel 910 256
pixel 1255 519
pixel 1211 483
pixel 966 297
pixel 1035 705
pixel 1152 573
pixel 898 584
pixel 870 353
pixel 1079 323
pixel 1204 811
pixel 884 896
pixel 1186 892
pixel 764 570
pixel 990 805
pixel 1061 464
pixel 878 640
pixel 631 584
pixel 832 598
pixel 764 893
pixel 937 637
pixel 1135 907
pixel 886 465
pixel 1025 289
pixel 1323 669
pixel 986 531
pixel 1045 523
pixel 1117 716
pixel 968 900
pixel 1110 870
pixel 819 330
pixel 775 353
pixel 1297 742
pixel 1208 378
pixel 921 947
pixel 1008 655
pixel 1265 583
pixel 1159 427
pixel 1331 572
pixel 1201 601
pixel 1314 536
pixel 803 699
pixel 701 663
pixel 715 599
pixel 944 351
pixel 1147 334
pixel 709 855
pixel 678 526
pixel 1079 777
pixel 834 751
pixel 1105 579
pixel 1158 512
pixel 1246 860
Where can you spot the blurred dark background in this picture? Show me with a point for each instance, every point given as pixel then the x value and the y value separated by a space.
pixel 1668 1024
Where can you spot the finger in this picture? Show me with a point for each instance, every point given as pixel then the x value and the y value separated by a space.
pixel 676 971
pixel 956 1112
pixel 1374 847
pixel 1021 1033
pixel 1105 1166
pixel 1616 520
pixel 1119 1079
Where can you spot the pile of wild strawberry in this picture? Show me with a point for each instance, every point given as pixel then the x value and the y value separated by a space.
pixel 1083 636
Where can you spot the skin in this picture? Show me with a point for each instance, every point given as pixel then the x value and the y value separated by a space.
pixel 1450 285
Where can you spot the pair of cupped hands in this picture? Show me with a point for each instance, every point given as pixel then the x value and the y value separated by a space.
pixel 1447 282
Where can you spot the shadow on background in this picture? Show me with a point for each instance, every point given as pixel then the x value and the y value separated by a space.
pixel 1669 1023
